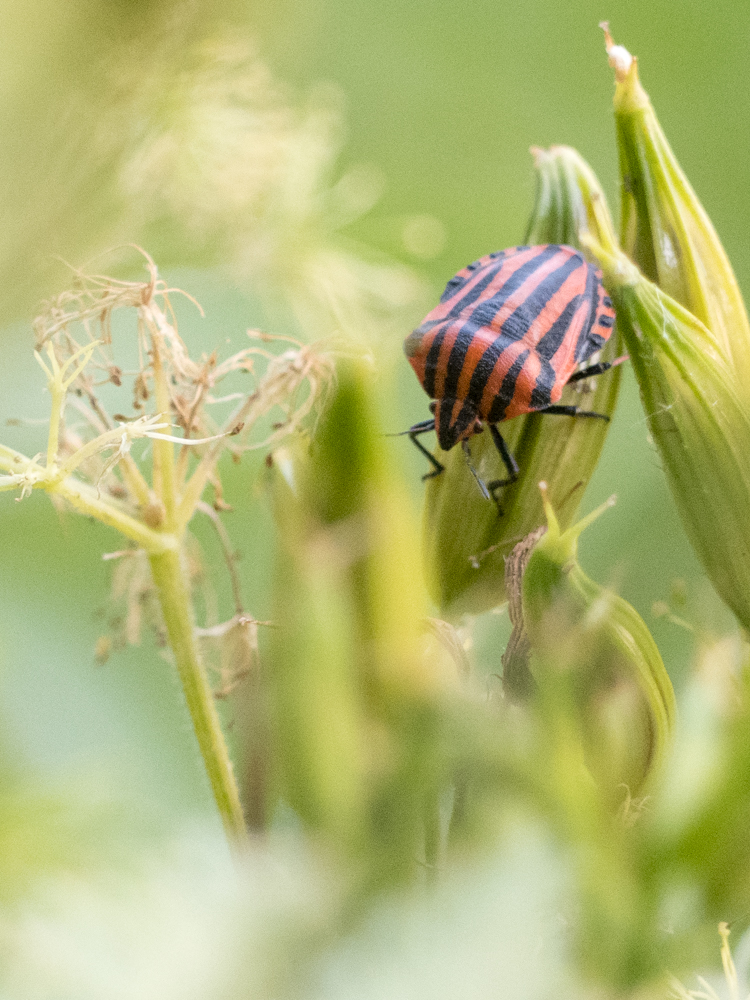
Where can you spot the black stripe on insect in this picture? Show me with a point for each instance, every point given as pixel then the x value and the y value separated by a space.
pixel 489 489
pixel 506 338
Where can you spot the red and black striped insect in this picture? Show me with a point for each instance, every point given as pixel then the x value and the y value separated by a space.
pixel 506 338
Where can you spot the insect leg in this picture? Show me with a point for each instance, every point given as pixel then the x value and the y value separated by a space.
pixel 423 428
pixel 509 462
pixel 570 411
pixel 598 369
pixel 603 366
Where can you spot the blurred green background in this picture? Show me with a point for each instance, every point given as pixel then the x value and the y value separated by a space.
pixel 440 104
pixel 403 130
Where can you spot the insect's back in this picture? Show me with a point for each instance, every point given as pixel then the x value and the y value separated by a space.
pixel 510 330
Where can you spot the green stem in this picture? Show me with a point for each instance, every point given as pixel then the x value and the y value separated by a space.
pixel 14 461
pixel 134 480
pixel 176 608
pixel 86 500
pixel 164 450
pixel 107 440
pixel 58 400
pixel 195 486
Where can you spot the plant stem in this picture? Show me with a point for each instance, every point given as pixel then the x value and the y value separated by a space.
pixel 86 499
pixel 164 450
pixel 176 608
pixel 134 480
pixel 14 461
pixel 193 489
pixel 58 401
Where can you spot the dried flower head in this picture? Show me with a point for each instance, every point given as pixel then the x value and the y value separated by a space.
pixel 177 399
pixel 189 410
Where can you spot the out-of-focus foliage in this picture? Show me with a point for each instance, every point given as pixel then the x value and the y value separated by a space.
pixel 346 656
pixel 163 123
pixel 171 131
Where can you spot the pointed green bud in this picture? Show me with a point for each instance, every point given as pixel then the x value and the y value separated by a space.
pixel 665 229
pixel 569 200
pixel 465 554
pixel 592 652
pixel 697 421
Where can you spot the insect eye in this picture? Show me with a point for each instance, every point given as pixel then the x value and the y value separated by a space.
pixel 433 407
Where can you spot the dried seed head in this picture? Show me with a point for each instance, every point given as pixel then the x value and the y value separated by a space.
pixel 231 652
pixel 75 333
pixel 153 513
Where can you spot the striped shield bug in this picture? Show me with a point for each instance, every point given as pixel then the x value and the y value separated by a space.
pixel 509 333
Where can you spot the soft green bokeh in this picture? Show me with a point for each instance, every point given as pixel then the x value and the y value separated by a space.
pixel 440 102
pixel 445 105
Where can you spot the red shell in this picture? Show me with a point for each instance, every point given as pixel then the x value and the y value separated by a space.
pixel 508 333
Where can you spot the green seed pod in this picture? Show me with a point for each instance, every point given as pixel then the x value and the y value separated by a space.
pixel 592 653
pixel 693 405
pixel 465 554
pixel 665 229
pixel 569 200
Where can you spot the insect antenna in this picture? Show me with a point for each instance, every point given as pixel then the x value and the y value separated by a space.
pixel 480 482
